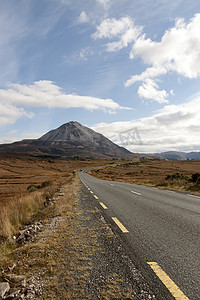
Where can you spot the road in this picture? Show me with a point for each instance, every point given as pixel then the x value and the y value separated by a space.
pixel 160 229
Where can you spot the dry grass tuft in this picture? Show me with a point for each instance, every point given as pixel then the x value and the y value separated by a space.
pixel 19 212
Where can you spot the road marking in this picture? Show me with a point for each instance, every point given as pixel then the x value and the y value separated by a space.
pixel 194 196
pixel 136 193
pixel 119 224
pixel 96 197
pixel 91 192
pixel 112 184
pixel 89 189
pixel 166 280
pixel 103 205
pixel 172 192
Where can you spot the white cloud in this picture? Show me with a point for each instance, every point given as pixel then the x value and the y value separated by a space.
pixel 123 29
pixel 9 113
pixel 152 72
pixel 175 127
pixel 149 90
pixel 45 93
pixel 15 136
pixel 178 51
pixel 105 3
pixel 83 18
pixel 84 53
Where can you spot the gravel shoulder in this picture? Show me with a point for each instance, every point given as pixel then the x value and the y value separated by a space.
pixel 77 255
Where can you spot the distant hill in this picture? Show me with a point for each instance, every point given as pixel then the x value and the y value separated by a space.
pixel 175 155
pixel 71 139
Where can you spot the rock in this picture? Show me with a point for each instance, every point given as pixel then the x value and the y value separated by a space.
pixel 20 279
pixel 28 233
pixel 4 288
pixel 15 294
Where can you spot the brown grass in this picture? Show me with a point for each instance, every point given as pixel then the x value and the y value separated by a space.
pixel 17 173
pixel 151 173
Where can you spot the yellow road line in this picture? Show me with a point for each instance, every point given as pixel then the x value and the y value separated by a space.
pixel 89 189
pixel 103 205
pixel 171 286
pixel 91 192
pixel 95 197
pixel 119 224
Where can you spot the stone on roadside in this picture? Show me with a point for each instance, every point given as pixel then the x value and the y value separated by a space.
pixel 17 279
pixel 14 294
pixel 4 288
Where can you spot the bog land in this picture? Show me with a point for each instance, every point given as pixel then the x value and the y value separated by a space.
pixel 27 182
pixel 179 175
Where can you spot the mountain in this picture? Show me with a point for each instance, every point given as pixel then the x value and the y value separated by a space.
pixel 70 139
pixel 175 155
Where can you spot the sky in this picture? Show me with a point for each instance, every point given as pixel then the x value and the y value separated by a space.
pixel 129 69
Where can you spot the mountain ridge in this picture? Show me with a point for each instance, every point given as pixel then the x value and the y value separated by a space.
pixel 177 155
pixel 70 139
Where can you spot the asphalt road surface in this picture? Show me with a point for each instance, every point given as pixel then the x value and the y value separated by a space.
pixel 160 230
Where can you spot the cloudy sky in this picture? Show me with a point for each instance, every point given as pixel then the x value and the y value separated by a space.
pixel 128 69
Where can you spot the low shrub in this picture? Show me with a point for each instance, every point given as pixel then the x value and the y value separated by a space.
pixel 177 176
pixel 32 188
pixel 46 183
pixel 196 177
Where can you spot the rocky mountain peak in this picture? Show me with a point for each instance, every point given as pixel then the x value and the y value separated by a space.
pixel 74 134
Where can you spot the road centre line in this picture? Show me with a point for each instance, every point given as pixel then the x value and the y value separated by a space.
pixel 136 193
pixel 167 281
pixel 119 224
pixel 96 197
pixel 103 205
pixel 91 192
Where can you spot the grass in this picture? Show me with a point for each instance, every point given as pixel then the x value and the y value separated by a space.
pixel 16 213
pixel 26 182
pixel 156 173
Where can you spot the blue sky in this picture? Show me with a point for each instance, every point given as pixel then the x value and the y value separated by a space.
pixel 128 69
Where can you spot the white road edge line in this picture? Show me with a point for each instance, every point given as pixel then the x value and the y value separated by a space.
pixel 136 193
pixel 119 224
